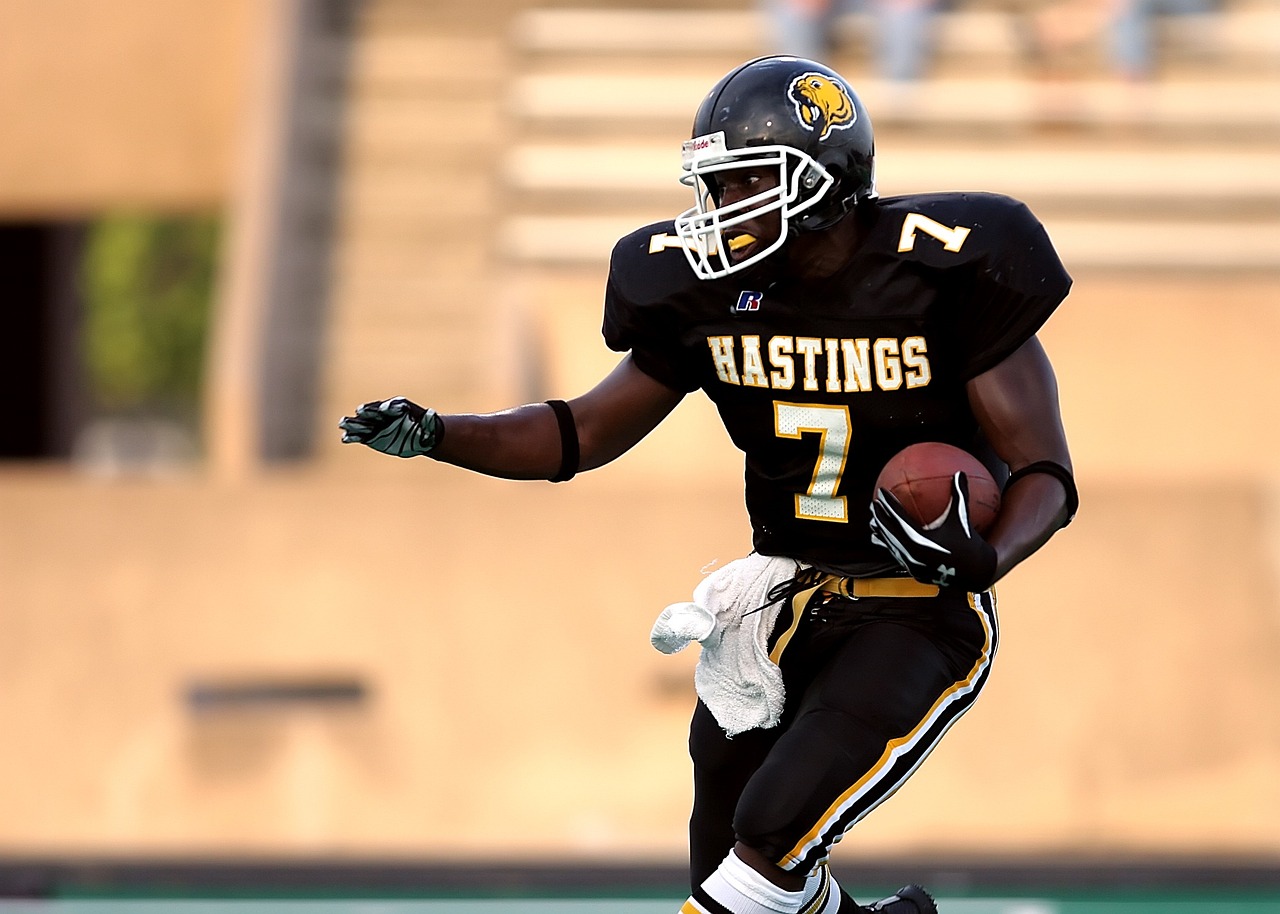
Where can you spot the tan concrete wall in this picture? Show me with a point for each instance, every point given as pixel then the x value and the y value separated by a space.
pixel 129 103
pixel 516 707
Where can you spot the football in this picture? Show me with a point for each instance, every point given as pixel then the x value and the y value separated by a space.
pixel 920 476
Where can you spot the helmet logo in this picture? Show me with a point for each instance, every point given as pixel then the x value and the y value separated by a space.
pixel 822 103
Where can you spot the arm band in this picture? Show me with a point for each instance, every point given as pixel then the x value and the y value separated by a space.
pixel 569 456
pixel 1061 473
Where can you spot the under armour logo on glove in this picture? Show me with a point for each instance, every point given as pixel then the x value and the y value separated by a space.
pixel 947 552
pixel 398 427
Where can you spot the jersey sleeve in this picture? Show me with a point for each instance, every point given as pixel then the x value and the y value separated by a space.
pixel 639 318
pixel 1018 282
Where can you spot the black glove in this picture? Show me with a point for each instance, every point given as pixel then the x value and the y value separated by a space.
pixel 948 552
pixel 397 426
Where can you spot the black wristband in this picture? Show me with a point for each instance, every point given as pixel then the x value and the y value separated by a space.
pixel 1058 471
pixel 569 456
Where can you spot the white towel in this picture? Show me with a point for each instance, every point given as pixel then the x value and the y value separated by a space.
pixel 735 678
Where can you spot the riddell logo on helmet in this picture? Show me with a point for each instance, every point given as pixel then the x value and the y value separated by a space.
pixel 822 103
pixel 700 147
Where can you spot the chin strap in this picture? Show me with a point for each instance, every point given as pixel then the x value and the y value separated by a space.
pixel 1059 472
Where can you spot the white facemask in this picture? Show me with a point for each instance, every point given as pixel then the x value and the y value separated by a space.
pixel 705 229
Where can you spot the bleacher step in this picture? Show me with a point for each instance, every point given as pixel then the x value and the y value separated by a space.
pixel 1232 178
pixel 1241 35
pixel 612 101
pixel 1135 243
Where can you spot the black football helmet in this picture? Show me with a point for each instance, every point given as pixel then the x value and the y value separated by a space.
pixel 790 113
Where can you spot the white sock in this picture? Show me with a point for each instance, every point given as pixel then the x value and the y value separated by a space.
pixel 741 890
pixel 821 893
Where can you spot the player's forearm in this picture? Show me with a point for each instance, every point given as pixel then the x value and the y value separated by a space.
pixel 519 443
pixel 1031 512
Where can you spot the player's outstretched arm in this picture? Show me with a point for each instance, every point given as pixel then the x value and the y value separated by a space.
pixel 1016 402
pixel 525 442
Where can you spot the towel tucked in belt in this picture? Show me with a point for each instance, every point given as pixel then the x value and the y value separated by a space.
pixel 735 678
pixel 733 617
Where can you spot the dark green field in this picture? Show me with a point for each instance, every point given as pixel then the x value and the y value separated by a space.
pixel 1128 903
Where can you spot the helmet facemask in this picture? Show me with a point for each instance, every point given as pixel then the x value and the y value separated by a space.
pixel 705 230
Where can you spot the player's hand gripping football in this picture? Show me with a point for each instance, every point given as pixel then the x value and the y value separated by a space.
pixel 947 552
pixel 398 427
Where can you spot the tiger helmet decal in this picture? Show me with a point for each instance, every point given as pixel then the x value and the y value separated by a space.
pixel 822 103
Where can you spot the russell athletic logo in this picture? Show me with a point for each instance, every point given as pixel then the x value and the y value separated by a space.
pixel 749 301
pixel 822 104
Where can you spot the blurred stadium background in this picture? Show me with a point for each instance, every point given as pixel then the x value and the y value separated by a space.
pixel 237 659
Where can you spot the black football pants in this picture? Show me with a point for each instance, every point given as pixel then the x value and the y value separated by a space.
pixel 872 684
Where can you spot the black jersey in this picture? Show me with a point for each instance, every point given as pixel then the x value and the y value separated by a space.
pixel 819 382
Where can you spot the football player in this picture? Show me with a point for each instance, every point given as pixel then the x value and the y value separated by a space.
pixel 831 327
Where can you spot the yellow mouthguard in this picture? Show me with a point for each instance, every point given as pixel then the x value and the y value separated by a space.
pixel 741 241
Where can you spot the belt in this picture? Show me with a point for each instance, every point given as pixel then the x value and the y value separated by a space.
pixel 855 588
pixel 877 587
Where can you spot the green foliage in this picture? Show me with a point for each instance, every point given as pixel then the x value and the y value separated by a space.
pixel 147 283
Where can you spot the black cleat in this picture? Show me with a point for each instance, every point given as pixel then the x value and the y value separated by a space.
pixel 910 899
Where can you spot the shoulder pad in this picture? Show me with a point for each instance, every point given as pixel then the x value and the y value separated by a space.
pixel 650 263
pixel 949 229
